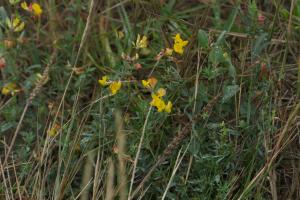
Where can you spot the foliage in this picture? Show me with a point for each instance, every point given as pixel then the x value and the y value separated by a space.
pixel 127 78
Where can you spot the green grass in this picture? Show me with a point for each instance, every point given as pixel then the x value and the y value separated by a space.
pixel 233 129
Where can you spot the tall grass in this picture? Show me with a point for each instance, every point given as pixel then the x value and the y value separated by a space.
pixel 232 132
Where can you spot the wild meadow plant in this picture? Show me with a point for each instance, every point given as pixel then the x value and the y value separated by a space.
pixel 149 99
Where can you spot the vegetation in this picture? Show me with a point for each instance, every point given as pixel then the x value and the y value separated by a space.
pixel 136 99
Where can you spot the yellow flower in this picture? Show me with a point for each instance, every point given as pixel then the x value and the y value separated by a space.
pixel 24 6
pixel 178 49
pixel 115 87
pixel 103 81
pixel 179 44
pixel 149 83
pixel 178 40
pixel 5 91
pixel 158 103
pixel 16 25
pixel 34 8
pixel 161 92
pixel 168 107
pixel 146 83
pixel 141 43
pixel 10 89
pixel 168 52
pixel 54 130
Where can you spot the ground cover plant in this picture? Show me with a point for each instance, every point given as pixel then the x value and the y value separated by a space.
pixel 156 99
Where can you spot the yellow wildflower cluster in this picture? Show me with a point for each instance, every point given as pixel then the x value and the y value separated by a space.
pixel 179 44
pixel 15 24
pixel 150 83
pixel 159 103
pixel 114 86
pixel 177 47
pixel 141 42
pixel 157 100
pixel 10 89
pixel 33 8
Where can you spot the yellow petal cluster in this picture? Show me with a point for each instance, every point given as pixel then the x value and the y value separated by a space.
pixel 150 83
pixel 141 42
pixel 10 89
pixel 114 87
pixel 179 44
pixel 34 8
pixel 103 81
pixel 159 103
pixel 161 92
pixel 54 130
pixel 15 24
pixel 168 107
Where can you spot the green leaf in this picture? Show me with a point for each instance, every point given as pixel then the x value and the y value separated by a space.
pixel 3 17
pixel 229 91
pixel 6 126
pixel 231 68
pixel 221 38
pixel 229 23
pixel 202 39
pixel 296 11
pixel 3 14
pixel 284 13
pixel 216 55
pixel 261 43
